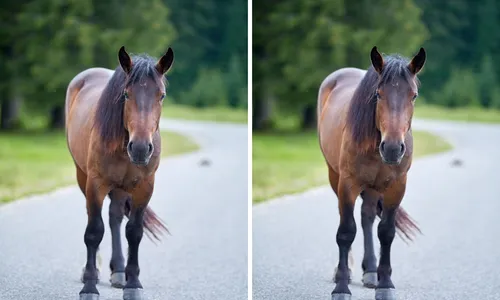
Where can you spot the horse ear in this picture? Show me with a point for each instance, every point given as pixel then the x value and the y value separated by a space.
pixel 165 62
pixel 417 62
pixel 377 60
pixel 125 60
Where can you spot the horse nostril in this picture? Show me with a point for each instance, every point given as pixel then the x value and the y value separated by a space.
pixel 402 149
pixel 382 146
pixel 129 147
pixel 150 148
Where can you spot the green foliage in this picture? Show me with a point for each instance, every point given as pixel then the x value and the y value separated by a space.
pixel 63 38
pixel 297 43
pixel 461 89
pixel 463 49
pixel 45 43
pixel 212 37
pixel 209 90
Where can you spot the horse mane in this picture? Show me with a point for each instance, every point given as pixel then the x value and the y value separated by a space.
pixel 109 112
pixel 362 111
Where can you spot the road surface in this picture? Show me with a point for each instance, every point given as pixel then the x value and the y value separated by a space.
pixel 205 208
pixel 457 207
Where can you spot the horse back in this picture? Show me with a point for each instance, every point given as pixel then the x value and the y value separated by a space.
pixel 334 97
pixel 82 95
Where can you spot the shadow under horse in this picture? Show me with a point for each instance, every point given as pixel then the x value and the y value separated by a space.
pixel 364 129
pixel 112 131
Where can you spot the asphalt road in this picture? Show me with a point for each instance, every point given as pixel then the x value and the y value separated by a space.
pixel 205 207
pixel 457 207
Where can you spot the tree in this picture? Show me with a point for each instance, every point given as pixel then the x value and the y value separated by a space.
pixel 61 39
pixel 300 42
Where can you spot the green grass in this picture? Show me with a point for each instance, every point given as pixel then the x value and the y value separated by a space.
pixel 37 162
pixel 467 114
pixel 292 162
pixel 215 114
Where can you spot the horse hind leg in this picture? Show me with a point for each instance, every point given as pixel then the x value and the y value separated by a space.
pixel 368 214
pixel 116 213
pixel 334 182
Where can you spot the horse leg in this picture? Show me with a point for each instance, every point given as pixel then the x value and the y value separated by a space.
pixel 81 178
pixel 334 182
pixel 386 232
pixel 348 192
pixel 134 231
pixel 116 213
pixel 95 191
pixel 368 213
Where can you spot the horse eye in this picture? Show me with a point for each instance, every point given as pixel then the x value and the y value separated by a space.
pixel 125 94
pixel 377 95
pixel 162 96
pixel 415 96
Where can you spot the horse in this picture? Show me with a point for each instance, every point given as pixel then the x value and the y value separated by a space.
pixel 112 132
pixel 364 131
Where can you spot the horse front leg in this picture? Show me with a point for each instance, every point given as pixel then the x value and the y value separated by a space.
pixel 118 198
pixel 134 231
pixel 368 213
pixel 386 233
pixel 348 192
pixel 95 192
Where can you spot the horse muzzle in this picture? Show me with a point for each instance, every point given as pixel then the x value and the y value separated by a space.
pixel 392 152
pixel 140 152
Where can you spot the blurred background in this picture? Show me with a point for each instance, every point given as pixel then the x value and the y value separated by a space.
pixel 297 43
pixel 45 43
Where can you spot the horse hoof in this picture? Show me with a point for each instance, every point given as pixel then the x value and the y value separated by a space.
pixel 133 294
pixel 341 296
pixel 89 296
pixel 370 280
pixel 118 280
pixel 385 294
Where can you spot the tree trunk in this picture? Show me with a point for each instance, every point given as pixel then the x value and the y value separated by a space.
pixel 9 115
pixel 262 112
pixel 57 117
pixel 309 117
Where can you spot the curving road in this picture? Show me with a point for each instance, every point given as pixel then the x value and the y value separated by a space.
pixel 205 208
pixel 457 207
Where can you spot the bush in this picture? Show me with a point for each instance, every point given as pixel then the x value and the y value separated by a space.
pixel 461 89
pixel 214 87
pixel 209 89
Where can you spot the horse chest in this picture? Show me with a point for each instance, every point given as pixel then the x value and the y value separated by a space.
pixel 373 174
pixel 127 176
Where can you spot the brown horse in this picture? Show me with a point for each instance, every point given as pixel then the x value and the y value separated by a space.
pixel 112 130
pixel 364 128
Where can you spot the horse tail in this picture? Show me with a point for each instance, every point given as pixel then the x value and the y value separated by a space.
pixel 155 227
pixel 406 226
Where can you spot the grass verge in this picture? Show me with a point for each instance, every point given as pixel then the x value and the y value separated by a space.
pixel 37 162
pixel 292 162
pixel 466 114
pixel 214 114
